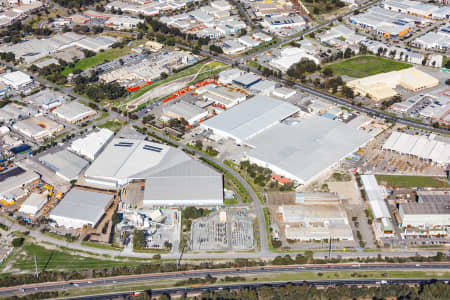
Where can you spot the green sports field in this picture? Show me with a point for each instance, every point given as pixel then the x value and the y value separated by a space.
pixel 363 66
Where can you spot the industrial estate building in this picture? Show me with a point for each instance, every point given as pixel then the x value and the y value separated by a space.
pixel 382 225
pixel 315 216
pixel 162 168
pixel 250 118
pixel 221 95
pixel 74 112
pixel 47 99
pixel 381 86
pixel 375 196
pixel 291 55
pixel 33 203
pixel 417 8
pixel 12 183
pixel 38 128
pixel 419 146
pixel 17 80
pixel 183 110
pixel 80 208
pixel 305 149
pixel 65 164
pixel 429 216
pixel 91 145
pixel 386 23
pixel 438 41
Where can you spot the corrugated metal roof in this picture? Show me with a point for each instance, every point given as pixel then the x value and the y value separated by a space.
pixel 248 118
pixel 183 188
pixel 65 163
pixel 82 205
pixel 307 148
pixel 375 197
pixel 170 174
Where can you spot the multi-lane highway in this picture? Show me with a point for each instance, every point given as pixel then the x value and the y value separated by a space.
pixel 62 285
pixel 241 286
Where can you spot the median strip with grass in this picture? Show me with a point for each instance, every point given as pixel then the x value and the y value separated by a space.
pixel 253 278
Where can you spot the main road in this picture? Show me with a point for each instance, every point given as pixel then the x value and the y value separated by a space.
pixel 242 286
pixel 129 279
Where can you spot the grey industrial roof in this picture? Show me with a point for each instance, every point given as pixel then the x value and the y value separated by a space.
pixel 187 110
pixel 432 207
pixel 170 174
pixel 72 110
pixel 306 148
pixel 246 119
pixel 15 177
pixel 434 195
pixel 247 79
pixel 142 159
pixel 188 187
pixel 82 205
pixel 263 85
pixel 65 163
pixel 46 97
pixel 375 197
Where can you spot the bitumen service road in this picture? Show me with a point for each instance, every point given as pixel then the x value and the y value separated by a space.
pixel 97 282
pixel 214 288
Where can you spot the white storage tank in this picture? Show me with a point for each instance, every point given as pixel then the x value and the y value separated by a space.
pixel 4 130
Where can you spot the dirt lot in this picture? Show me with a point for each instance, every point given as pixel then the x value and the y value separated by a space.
pixel 347 191
pixel 160 91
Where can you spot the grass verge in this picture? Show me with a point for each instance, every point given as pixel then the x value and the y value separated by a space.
pixel 52 259
pixel 113 125
pixel 100 246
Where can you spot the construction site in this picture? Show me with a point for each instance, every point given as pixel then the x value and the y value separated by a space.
pixel 223 230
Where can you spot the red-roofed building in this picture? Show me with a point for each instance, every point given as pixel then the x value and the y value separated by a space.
pixel 280 179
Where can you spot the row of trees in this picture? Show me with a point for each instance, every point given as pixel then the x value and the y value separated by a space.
pixel 435 290
pixel 52 72
pixel 16 31
pixel 298 70
pixel 75 3
pixel 98 91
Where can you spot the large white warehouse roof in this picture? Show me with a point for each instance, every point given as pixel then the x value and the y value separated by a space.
pixel 302 151
pixel 91 145
pixel 250 117
pixel 172 177
pixel 79 208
